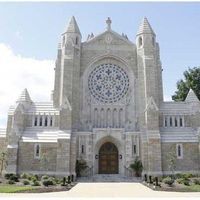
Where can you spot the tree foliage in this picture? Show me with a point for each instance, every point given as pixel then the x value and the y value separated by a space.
pixel 3 161
pixel 137 167
pixel 191 80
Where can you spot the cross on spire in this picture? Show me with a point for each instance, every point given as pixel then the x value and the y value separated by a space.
pixel 108 22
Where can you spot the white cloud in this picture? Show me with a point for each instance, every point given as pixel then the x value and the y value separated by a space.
pixel 17 73
pixel 18 35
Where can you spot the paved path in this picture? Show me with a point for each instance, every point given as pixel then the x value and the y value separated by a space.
pixel 108 190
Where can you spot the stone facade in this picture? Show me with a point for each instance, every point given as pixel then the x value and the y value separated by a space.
pixel 107 90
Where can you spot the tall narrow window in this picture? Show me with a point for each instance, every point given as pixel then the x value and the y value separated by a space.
pixel 134 149
pixel 82 149
pixel 35 121
pixel 40 120
pixel 76 40
pixel 175 122
pixel 51 121
pixel 140 41
pixel 179 151
pixel 46 121
pixel 165 121
pixel 181 121
pixel 170 121
pixel 37 151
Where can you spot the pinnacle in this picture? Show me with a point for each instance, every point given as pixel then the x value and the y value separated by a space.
pixel 191 97
pixel 24 97
pixel 73 26
pixel 145 27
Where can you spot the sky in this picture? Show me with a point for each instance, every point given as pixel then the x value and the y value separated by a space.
pixel 30 33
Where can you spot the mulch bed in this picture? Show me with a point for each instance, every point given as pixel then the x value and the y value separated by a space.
pixel 166 188
pixel 42 189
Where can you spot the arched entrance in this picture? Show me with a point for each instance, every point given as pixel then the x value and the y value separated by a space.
pixel 108 159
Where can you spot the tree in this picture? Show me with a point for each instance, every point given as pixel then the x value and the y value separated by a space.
pixel 191 80
pixel 137 167
pixel 44 161
pixel 3 160
pixel 171 158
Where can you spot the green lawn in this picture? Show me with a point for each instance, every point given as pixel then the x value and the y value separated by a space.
pixel 14 188
pixel 193 188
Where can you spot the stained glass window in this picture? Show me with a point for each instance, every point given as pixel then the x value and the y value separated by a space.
pixel 108 83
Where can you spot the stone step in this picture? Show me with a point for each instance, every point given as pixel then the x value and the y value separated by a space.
pixel 109 178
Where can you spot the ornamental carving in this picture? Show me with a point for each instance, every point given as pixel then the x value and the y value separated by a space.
pixel 108 83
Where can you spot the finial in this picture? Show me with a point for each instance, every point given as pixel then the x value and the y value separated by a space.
pixel 92 35
pixel 108 22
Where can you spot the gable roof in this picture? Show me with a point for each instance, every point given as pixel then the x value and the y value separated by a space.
pixel 191 97
pixel 115 34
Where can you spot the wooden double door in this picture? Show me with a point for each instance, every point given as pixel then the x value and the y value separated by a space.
pixel 108 159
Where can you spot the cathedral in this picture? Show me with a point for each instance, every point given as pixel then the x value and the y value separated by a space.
pixel 107 109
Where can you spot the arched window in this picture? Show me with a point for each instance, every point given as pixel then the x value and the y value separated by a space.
pixel 175 122
pixel 181 121
pixel 140 41
pixel 76 40
pixel 35 121
pixel 179 151
pixel 165 121
pixel 170 121
pixel 51 121
pixel 82 149
pixel 121 123
pixel 40 120
pixel 46 121
pixel 37 151
pixel 96 118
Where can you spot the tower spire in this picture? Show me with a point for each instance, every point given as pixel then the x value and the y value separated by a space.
pixel 73 26
pixel 145 27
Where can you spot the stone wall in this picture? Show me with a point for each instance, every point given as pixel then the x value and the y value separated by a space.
pixel 27 162
pixel 2 143
pixel 190 160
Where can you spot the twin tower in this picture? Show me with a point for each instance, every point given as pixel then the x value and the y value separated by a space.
pixel 110 87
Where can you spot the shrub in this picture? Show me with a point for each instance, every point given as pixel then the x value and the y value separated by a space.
pixel 57 180
pixel 36 176
pixel 53 180
pixel 35 183
pixel 168 180
pixel 24 176
pixel 69 179
pixel 33 178
pixel 63 181
pixel 45 177
pixel 178 176
pixel 26 182
pixel 137 167
pixel 47 182
pixel 186 182
pixel 11 182
pixel 187 176
pixel 196 181
pixel 8 175
pixel 14 178
pixel 180 180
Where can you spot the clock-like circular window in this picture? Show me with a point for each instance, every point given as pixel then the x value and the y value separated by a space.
pixel 108 83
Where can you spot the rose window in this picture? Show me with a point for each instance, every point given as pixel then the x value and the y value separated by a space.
pixel 108 83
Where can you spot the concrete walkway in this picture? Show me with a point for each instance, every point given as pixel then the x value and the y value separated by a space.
pixel 95 190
